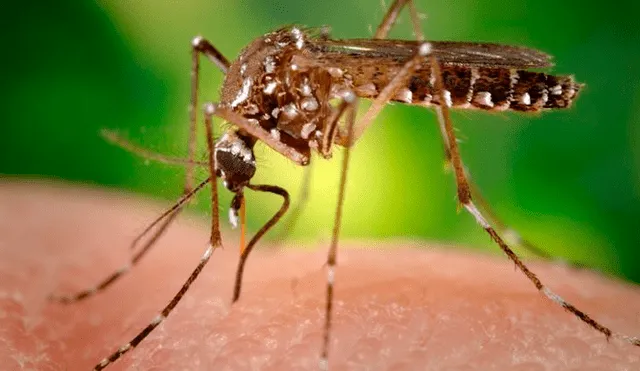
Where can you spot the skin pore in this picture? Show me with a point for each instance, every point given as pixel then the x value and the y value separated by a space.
pixel 399 305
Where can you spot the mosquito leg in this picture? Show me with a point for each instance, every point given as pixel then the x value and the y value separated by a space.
pixel 199 46
pixel 215 241
pixel 163 314
pixel 265 228
pixel 510 234
pixel 216 238
pixel 331 128
pixel 389 19
pixel 513 235
pixel 381 33
pixel 166 218
pixel 117 140
pixel 398 81
pixel 465 188
pixel 464 197
pixel 333 249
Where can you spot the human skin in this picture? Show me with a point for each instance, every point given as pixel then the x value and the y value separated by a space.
pixel 399 305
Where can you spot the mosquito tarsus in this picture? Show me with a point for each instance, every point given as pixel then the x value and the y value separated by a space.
pixel 296 90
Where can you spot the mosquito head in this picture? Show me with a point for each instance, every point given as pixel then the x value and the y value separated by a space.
pixel 236 163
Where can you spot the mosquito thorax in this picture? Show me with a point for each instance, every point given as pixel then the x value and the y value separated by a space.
pixel 235 161
pixel 266 87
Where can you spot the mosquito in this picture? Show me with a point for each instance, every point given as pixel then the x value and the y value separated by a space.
pixel 297 90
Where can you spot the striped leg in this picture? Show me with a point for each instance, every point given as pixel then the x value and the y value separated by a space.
pixel 385 95
pixel 354 131
pixel 347 104
pixel 166 218
pixel 464 197
pixel 199 46
pixel 215 241
pixel 328 137
pixel 464 186
pixel 333 249
pixel 514 236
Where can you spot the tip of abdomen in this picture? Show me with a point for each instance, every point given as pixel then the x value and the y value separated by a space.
pixel 562 91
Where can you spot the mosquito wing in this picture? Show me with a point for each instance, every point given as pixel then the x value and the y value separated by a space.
pixel 327 51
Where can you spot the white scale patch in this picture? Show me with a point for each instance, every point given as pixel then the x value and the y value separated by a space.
pixel 306 89
pixel 196 41
pixel 270 88
pixel 404 95
pixel 275 133
pixel 483 98
pixel 335 72
pixel 475 75
pixel 553 296
pixel 525 99
pixel 307 129
pixel 447 98
pixel 331 275
pixel 238 148
pixel 424 49
pixel 477 215
pixel 124 348
pixel 368 89
pixel 545 96
pixel 243 94
pixel 297 34
pixel 269 64
pixel 513 78
pixel 233 218
pixel 309 104
pixel 205 256
pixel 556 90
pixel 290 110
pixel 159 318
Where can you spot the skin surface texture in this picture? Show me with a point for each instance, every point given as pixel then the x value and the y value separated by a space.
pixel 399 305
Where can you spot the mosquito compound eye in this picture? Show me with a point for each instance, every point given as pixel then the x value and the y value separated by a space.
pixel 235 161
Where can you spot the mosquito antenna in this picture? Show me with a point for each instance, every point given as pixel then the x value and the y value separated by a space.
pixel 173 209
pixel 171 213
pixel 268 225
pixel 113 138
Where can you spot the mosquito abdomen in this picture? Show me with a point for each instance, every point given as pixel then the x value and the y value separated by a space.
pixel 487 88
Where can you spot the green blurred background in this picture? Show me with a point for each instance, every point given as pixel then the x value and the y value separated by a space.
pixel 568 181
